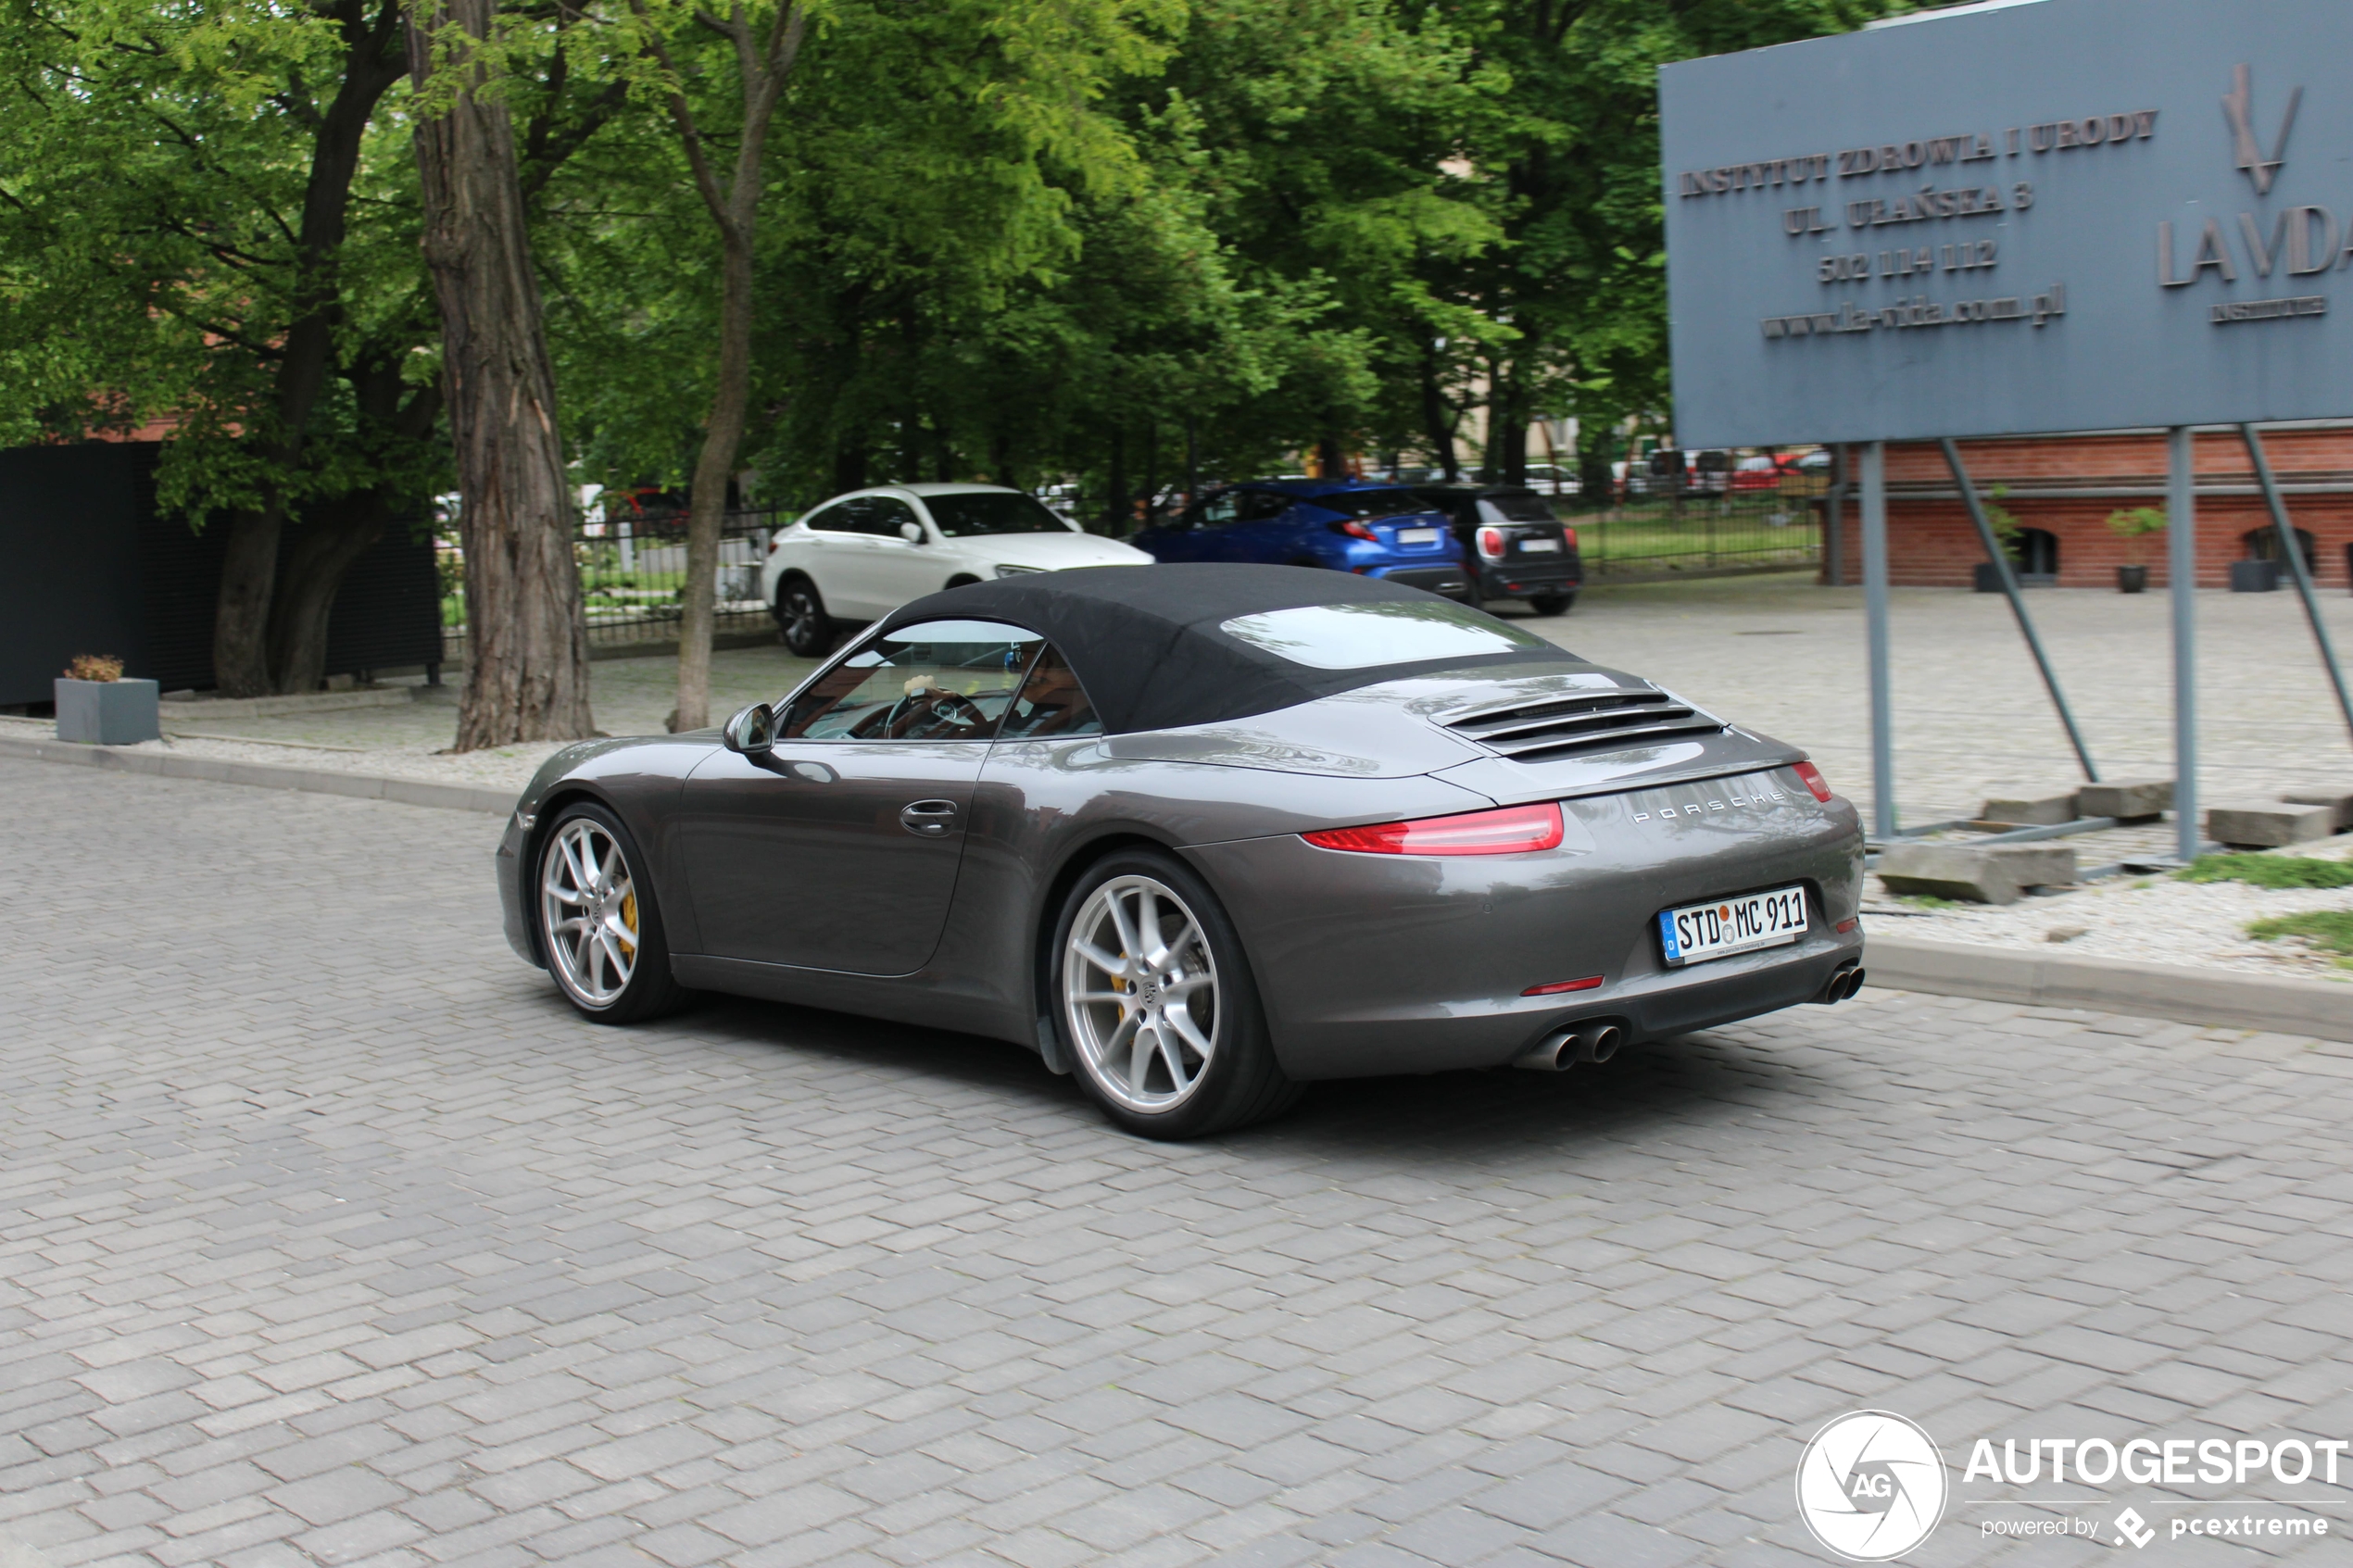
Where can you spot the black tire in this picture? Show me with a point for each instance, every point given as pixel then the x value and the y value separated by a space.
pixel 1241 1082
pixel 801 612
pixel 649 989
pixel 1553 604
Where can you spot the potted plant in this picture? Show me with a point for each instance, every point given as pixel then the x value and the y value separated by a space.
pixel 2005 526
pixel 97 706
pixel 2132 524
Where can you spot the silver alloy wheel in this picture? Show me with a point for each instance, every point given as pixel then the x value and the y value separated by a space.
pixel 588 908
pixel 1140 992
pixel 804 621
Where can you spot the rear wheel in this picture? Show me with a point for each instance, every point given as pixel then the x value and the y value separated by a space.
pixel 801 614
pixel 1154 1001
pixel 1553 604
pixel 598 927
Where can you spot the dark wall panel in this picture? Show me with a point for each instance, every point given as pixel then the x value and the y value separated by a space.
pixel 86 566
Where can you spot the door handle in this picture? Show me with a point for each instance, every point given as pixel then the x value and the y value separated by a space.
pixel 928 819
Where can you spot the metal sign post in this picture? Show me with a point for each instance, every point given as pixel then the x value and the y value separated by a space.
pixel 2293 552
pixel 2000 558
pixel 1875 636
pixel 2181 558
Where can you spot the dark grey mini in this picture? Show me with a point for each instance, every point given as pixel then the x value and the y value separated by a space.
pixel 1202 834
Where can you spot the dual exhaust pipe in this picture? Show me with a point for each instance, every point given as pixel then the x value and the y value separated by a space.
pixel 1842 984
pixel 1564 1048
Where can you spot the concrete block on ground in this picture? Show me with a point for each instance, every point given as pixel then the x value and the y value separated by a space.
pixel 2128 800
pixel 2031 806
pixel 2267 824
pixel 1979 873
pixel 2338 797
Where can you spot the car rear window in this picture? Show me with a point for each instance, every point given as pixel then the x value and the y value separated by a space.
pixel 975 512
pixel 1373 503
pixel 1526 507
pixel 1359 636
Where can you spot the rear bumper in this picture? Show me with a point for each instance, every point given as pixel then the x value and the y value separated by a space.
pixel 1450 579
pixel 1372 964
pixel 1530 578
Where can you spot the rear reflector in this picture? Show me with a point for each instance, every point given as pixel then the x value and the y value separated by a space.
pixel 1849 924
pixel 1557 986
pixel 1814 780
pixel 1511 829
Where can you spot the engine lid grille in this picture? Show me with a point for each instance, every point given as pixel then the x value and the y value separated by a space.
pixel 1580 725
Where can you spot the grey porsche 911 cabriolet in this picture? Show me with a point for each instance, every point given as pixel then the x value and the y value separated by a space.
pixel 1202 834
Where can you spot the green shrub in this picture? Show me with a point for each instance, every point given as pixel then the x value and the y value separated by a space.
pixel 2270 871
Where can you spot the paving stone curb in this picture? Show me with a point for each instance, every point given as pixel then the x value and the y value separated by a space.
pixel 2219 998
pixel 262 776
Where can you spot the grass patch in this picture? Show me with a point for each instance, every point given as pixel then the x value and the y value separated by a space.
pixel 2270 871
pixel 2330 930
pixel 1927 901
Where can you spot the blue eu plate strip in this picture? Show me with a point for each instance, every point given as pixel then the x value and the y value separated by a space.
pixel 1667 934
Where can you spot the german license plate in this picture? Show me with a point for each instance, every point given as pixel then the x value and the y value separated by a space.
pixel 1699 932
pixel 1418 536
pixel 1540 546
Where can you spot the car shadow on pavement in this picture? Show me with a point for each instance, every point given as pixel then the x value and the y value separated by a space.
pixel 1483 1117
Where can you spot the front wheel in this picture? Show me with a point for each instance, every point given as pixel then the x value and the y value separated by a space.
pixel 809 633
pixel 1553 604
pixel 1153 998
pixel 598 927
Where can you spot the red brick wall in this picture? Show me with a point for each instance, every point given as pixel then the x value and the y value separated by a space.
pixel 1932 544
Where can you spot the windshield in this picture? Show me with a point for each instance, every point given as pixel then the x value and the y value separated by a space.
pixel 1372 503
pixel 1360 636
pixel 1524 507
pixel 973 512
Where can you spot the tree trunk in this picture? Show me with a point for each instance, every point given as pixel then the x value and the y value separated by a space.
pixel 241 607
pixel 1437 428
pixel 1506 431
pixel 324 551
pixel 527 654
pixel 1117 499
pixel 707 516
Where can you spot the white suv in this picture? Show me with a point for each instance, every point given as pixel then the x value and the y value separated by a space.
pixel 861 555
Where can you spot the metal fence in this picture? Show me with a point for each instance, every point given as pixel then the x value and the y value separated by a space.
pixel 1663 535
pixel 631 572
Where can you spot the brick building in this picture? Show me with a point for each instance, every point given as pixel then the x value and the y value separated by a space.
pixel 2063 487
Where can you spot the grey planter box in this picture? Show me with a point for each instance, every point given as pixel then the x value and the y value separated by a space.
pixel 108 712
pixel 2255 577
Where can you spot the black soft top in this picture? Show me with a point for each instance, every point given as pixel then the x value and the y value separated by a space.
pixel 1145 640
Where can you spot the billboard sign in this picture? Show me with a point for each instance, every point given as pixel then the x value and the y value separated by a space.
pixel 2043 215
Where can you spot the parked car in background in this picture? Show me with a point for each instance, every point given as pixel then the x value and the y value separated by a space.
pixel 1763 472
pixel 861 555
pixel 1513 544
pixel 1553 478
pixel 1384 530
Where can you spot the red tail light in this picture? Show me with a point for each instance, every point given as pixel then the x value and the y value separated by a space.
pixel 1512 830
pixel 1355 530
pixel 774 541
pixel 1814 780
pixel 1491 542
pixel 1571 535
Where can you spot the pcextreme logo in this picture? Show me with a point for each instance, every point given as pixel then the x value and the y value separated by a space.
pixel 1870 1486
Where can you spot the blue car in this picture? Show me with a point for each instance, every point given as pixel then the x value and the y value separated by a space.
pixel 1372 530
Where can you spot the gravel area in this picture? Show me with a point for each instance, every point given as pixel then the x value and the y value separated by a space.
pixel 2144 919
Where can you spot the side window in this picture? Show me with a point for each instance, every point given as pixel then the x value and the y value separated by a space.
pixel 883 515
pixel 1257 505
pixel 1218 510
pixel 941 680
pixel 836 518
pixel 1051 704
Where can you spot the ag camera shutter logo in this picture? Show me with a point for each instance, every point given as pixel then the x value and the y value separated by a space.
pixel 1870 1486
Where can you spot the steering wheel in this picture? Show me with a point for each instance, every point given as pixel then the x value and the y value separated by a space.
pixel 949 706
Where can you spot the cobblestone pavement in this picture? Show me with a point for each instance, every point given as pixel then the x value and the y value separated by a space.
pixel 328 1235
pixel 1775 653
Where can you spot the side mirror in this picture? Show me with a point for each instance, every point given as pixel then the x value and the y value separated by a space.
pixel 751 733
pixel 912 532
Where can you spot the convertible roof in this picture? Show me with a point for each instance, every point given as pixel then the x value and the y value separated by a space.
pixel 1145 640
